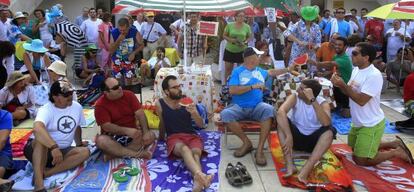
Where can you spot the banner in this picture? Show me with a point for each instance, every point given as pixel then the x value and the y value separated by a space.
pixel 271 14
pixel 207 28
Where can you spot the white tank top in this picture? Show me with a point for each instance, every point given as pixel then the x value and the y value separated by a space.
pixel 304 116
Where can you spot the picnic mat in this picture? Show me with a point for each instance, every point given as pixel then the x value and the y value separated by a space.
pixel 343 125
pixel 172 175
pixel 393 175
pixel 26 124
pixel 23 178
pixel 18 139
pixel 89 117
pixel 328 174
pixel 97 176
pixel 396 105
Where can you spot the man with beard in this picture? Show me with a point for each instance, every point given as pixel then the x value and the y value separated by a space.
pixel 342 62
pixel 124 128
pixel 312 132
pixel 182 139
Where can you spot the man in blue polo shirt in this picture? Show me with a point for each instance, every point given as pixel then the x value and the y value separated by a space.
pixel 338 25
pixel 246 85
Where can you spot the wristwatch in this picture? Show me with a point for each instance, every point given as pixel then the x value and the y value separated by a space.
pixel 313 100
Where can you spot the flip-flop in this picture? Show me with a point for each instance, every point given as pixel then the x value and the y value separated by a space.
pixel 244 174
pixel 120 176
pixel 233 176
pixel 406 149
pixel 132 171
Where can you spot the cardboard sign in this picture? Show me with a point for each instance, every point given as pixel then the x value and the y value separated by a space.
pixel 271 14
pixel 207 28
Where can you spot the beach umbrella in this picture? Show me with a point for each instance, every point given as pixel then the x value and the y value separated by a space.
pixel 72 34
pixel 5 2
pixel 284 5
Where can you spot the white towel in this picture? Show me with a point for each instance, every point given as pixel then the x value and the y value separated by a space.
pixel 334 27
pixel 223 44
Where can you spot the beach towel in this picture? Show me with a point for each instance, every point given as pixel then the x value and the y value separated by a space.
pixel 172 175
pixel 18 139
pixel 89 117
pixel 97 176
pixel 23 178
pixel 343 125
pixel 26 124
pixel 328 174
pixel 394 175
pixel 396 105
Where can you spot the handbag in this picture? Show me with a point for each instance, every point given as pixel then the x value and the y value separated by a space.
pixel 146 39
pixel 153 119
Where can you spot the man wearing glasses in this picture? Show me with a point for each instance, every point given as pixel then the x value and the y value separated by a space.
pixel 124 128
pixel 57 125
pixel 338 25
pixel 368 121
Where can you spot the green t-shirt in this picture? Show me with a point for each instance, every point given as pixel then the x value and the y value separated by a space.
pixel 240 34
pixel 344 66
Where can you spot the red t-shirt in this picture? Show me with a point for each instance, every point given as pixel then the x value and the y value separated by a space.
pixel 120 112
pixel 408 93
pixel 375 28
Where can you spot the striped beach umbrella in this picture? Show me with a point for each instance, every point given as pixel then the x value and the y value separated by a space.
pixel 211 6
pixel 72 34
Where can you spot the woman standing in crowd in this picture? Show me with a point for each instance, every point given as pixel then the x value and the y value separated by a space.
pixel 306 35
pixel 237 35
pixel 89 63
pixel 35 60
pixel 6 60
pixel 18 98
pixel 105 29
pixel 42 27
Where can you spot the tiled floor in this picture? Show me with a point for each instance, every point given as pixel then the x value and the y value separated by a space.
pixel 265 178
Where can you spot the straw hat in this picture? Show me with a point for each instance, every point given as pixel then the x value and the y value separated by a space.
pixel 309 13
pixel 15 77
pixel 59 67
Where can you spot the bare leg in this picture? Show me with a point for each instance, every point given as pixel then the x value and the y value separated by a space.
pixel 2 172
pixel 324 142
pixel 39 163
pixel 290 166
pixel 264 133
pixel 72 159
pixel 114 149
pixel 391 144
pixel 237 130
pixel 228 68
pixel 19 114
pixel 381 157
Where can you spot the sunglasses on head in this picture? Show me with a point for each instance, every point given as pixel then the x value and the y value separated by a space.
pixel 67 94
pixel 355 53
pixel 114 88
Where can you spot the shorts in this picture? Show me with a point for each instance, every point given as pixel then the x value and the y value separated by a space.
pixel 233 57
pixel 123 68
pixel 234 112
pixel 28 153
pixel 341 99
pixel 191 140
pixel 365 141
pixel 307 143
pixel 6 161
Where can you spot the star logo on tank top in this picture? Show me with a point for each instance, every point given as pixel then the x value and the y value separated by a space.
pixel 66 124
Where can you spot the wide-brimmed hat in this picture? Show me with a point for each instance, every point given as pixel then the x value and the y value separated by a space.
pixel 309 13
pixel 15 77
pixel 35 46
pixel 19 14
pixel 59 67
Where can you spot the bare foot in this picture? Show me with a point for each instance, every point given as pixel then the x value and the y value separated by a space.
pixel 401 153
pixel 291 170
pixel 303 178
pixel 243 150
pixel 209 179
pixel 198 185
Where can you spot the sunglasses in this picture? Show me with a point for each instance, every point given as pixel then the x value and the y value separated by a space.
pixel 355 53
pixel 93 52
pixel 67 94
pixel 114 88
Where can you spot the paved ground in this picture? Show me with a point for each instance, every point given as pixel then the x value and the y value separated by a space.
pixel 265 178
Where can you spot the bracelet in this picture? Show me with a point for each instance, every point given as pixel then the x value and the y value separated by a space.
pixel 51 148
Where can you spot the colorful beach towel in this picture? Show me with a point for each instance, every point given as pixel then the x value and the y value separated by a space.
pixel 89 117
pixel 394 175
pixel 171 175
pixel 18 139
pixel 343 125
pixel 26 124
pixel 97 176
pixel 328 174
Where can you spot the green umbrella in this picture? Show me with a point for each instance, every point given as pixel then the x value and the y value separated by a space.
pixel 387 12
pixel 284 5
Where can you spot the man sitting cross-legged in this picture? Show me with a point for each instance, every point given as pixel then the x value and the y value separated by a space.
pixel 182 139
pixel 307 129
pixel 56 126
pixel 124 127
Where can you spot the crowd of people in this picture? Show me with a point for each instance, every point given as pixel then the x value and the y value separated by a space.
pixel 350 50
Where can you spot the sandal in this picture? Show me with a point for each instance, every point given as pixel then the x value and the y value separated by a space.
pixel 233 176
pixel 7 186
pixel 244 174
pixel 120 176
pixel 406 149
pixel 132 171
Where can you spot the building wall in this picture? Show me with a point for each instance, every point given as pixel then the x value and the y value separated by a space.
pixel 357 4
pixel 71 8
pixel 24 5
